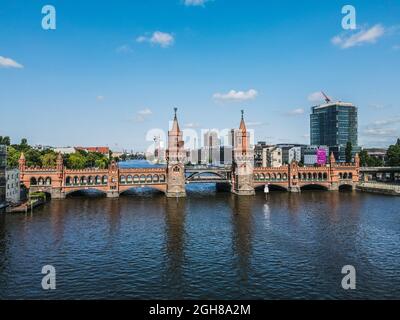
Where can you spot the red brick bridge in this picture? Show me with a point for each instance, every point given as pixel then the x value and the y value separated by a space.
pixel 242 178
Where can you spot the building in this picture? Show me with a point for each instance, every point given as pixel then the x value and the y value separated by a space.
pixel 3 165
pixel 272 157
pixel 225 155
pixel 64 150
pixel 377 153
pixel 334 124
pixel 211 148
pixel 103 150
pixel 289 154
pixel 13 189
pixel 313 155
pixel 294 154
pixel 258 153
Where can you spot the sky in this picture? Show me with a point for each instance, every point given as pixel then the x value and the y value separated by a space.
pixel 112 71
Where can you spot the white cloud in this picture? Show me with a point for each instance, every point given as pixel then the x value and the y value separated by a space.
pixel 192 125
pixel 359 38
pixel 163 39
pixel 195 3
pixel 9 63
pixel 100 98
pixel 236 96
pixel 380 132
pixel 124 49
pixel 316 97
pixel 143 114
pixel 255 123
pixel 386 122
pixel 296 112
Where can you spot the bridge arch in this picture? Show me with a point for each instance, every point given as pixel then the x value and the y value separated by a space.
pixel 192 176
pixel 85 191
pixel 272 187
pixel 314 186
pixel 139 189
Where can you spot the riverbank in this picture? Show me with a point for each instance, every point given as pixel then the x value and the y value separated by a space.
pixel 380 188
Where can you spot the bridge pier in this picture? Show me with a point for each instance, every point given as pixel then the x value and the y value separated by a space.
pixel 334 186
pixel 294 189
pixel 112 194
pixel 57 194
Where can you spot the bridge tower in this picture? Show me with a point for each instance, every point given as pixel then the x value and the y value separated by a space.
pixel 113 180
pixel 57 181
pixel 175 161
pixel 243 161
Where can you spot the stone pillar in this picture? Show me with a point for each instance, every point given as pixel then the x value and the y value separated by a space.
pixel 57 193
pixel 176 181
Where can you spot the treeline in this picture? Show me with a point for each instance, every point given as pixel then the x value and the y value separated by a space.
pixel 392 157
pixel 47 158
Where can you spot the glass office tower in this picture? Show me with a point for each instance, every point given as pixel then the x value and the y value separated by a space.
pixel 3 164
pixel 334 124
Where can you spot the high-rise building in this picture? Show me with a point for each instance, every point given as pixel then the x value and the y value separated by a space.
pixel 334 124
pixel 3 181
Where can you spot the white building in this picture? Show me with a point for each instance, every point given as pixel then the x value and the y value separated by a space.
pixel 272 157
pixel 13 188
pixel 294 154
pixel 64 150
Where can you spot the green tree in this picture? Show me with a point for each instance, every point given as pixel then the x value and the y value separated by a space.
pixel 101 163
pixel 349 152
pixel 5 140
pixel 12 157
pixel 33 157
pixel 76 161
pixel 363 158
pixel 393 155
pixel 48 159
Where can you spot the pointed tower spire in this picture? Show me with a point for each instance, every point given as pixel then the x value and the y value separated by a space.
pixel 332 158
pixel 357 160
pixel 242 123
pixel 22 162
pixel 59 162
pixel 175 124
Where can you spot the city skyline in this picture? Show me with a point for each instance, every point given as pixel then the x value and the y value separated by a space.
pixel 108 74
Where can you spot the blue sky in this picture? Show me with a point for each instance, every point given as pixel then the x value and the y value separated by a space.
pixel 112 70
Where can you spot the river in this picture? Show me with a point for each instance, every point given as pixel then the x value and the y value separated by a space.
pixel 211 245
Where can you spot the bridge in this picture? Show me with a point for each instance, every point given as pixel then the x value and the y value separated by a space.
pixel 172 179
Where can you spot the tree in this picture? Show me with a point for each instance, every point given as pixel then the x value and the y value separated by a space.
pixel 101 163
pixel 12 157
pixel 393 155
pixel 363 158
pixel 349 152
pixel 5 140
pixel 33 157
pixel 76 161
pixel 48 159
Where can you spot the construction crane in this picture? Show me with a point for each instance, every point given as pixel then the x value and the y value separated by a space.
pixel 327 99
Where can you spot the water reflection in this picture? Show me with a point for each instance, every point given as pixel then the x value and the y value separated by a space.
pixel 174 244
pixel 242 233
pixel 209 245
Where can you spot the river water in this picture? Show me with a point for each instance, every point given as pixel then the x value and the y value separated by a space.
pixel 211 245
